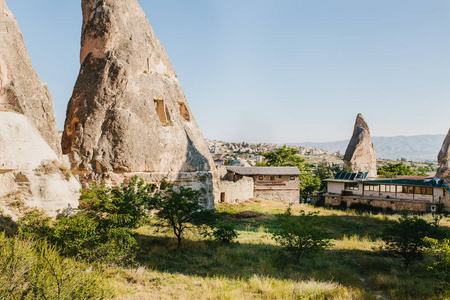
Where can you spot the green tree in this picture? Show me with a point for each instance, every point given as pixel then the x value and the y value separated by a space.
pixel 300 235
pixel 323 172
pixel 102 228
pixel 392 170
pixel 180 210
pixel 288 157
pixel 439 267
pixel 284 157
pixel 405 237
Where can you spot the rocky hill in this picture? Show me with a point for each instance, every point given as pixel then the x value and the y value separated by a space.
pixel 219 147
pixel 417 148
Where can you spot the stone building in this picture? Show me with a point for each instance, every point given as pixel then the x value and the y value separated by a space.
pixel 277 183
pixel 421 195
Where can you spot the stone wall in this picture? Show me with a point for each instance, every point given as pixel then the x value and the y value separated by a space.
pixel 234 192
pixel 280 187
pixel 288 196
pixel 394 204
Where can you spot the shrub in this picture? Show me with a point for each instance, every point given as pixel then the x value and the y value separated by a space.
pixel 405 237
pixel 300 235
pixel 180 210
pixel 225 233
pixel 101 230
pixel 82 236
pixel 440 264
pixel 34 270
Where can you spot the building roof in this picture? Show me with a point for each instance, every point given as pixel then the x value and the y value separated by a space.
pixel 251 171
pixel 434 182
pixel 428 182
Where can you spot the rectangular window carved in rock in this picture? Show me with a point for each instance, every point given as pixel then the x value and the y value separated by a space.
pixel 184 111
pixel 162 112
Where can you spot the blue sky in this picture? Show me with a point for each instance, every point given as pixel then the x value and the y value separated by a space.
pixel 278 71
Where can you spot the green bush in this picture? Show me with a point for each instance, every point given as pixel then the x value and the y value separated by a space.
pixel 34 270
pixel 300 235
pixel 101 230
pixel 180 210
pixel 405 237
pixel 439 267
pixel 82 236
pixel 225 233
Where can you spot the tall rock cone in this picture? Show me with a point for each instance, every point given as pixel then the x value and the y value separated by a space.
pixel 30 151
pixel 20 87
pixel 360 153
pixel 443 171
pixel 128 114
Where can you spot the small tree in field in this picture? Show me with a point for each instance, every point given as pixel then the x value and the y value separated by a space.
pixel 180 210
pixel 300 235
pixel 405 238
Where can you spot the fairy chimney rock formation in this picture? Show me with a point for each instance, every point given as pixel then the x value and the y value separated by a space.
pixel 30 151
pixel 20 87
pixel 443 171
pixel 128 114
pixel 360 153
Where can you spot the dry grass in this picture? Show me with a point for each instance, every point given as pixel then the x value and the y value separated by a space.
pixel 257 269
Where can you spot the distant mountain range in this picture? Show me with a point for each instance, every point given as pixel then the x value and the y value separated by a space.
pixel 417 147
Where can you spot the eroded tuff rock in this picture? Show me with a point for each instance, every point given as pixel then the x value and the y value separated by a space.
pixel 360 153
pixel 443 171
pixel 20 87
pixel 128 114
pixel 31 173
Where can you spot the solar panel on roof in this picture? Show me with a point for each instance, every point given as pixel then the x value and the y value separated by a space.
pixel 347 176
pixel 352 177
pixel 365 175
pixel 337 175
pixel 342 175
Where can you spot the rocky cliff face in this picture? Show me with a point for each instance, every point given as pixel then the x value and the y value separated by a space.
pixel 128 114
pixel 20 87
pixel 360 153
pixel 444 160
pixel 31 172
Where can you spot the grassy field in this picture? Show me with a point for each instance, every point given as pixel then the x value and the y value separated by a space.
pixel 354 268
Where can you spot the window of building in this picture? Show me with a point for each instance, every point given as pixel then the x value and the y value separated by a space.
pixel 371 187
pixel 407 189
pixel 279 176
pixel 260 178
pixel 272 177
pixel 292 178
pixel 351 186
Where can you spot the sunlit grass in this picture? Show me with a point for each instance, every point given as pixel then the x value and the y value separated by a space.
pixel 256 268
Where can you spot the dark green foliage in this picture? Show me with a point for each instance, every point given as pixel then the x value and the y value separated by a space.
pixel 439 267
pixel 101 230
pixel 83 236
pixel 288 157
pixel 300 235
pixel 323 172
pixel 225 233
pixel 34 270
pixel 119 207
pixel 284 157
pixel 405 237
pixel 362 207
pixel 35 224
pixel 180 210
pixel 392 170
